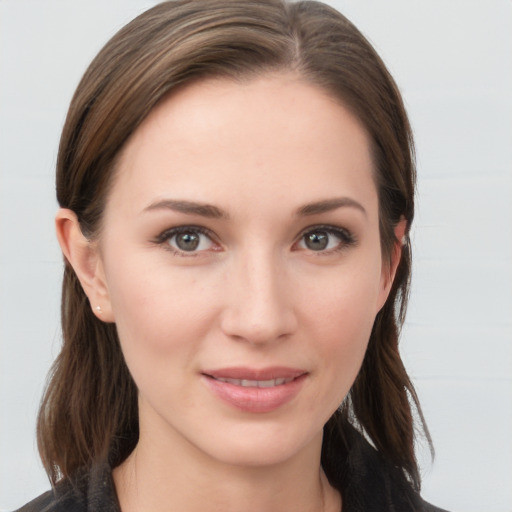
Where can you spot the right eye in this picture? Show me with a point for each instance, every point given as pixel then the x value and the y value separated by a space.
pixel 187 240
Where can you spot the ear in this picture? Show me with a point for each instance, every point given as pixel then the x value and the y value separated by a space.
pixel 83 255
pixel 389 267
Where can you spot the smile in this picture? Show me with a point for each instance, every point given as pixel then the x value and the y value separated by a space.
pixel 245 383
pixel 255 391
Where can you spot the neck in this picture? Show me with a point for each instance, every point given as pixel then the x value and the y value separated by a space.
pixel 178 477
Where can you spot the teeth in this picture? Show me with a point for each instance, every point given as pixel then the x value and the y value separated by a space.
pixel 267 383
pixel 245 383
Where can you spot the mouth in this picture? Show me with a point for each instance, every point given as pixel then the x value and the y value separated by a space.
pixel 255 378
pixel 255 391
pixel 245 383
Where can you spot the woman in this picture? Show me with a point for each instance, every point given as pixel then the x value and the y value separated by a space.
pixel 236 184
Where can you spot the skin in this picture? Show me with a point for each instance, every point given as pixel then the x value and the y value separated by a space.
pixel 253 293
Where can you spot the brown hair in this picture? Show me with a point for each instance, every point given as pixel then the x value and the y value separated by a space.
pixel 89 411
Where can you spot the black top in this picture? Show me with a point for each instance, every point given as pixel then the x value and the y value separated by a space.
pixel 366 483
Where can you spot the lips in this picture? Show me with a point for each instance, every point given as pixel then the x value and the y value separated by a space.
pixel 245 383
pixel 255 390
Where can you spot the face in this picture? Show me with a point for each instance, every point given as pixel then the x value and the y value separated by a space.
pixel 240 260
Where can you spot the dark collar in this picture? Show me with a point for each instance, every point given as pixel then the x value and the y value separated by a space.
pixel 366 482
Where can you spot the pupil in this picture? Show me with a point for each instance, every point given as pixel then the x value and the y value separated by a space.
pixel 187 241
pixel 317 241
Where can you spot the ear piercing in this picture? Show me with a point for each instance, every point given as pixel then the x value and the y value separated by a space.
pixel 98 309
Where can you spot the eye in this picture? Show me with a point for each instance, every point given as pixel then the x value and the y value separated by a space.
pixel 326 239
pixel 187 239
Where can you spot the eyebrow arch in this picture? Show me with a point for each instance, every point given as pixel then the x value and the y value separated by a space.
pixel 328 205
pixel 189 207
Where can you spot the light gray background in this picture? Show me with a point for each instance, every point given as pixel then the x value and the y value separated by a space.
pixel 453 62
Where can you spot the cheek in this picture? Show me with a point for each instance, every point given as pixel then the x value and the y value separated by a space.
pixel 159 332
pixel 345 328
pixel 153 310
pixel 348 301
pixel 340 316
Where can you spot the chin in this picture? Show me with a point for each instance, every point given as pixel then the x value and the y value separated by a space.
pixel 261 445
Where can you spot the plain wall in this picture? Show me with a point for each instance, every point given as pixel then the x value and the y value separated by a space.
pixel 453 62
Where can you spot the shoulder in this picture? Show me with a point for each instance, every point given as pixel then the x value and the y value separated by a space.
pixel 88 491
pixel 57 500
pixel 368 482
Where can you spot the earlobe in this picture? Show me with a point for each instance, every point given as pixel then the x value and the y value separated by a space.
pixel 84 257
pixel 389 268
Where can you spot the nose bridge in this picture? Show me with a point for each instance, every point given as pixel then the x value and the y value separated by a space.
pixel 259 308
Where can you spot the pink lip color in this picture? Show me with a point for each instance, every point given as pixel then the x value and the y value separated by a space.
pixel 255 399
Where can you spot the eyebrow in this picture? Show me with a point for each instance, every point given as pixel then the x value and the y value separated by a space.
pixel 213 212
pixel 328 205
pixel 189 207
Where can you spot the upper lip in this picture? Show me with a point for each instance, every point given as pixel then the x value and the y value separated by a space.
pixel 255 374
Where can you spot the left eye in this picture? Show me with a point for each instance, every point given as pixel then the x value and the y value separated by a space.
pixel 187 239
pixel 325 239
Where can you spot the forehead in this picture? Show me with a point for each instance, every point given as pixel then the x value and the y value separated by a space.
pixel 272 137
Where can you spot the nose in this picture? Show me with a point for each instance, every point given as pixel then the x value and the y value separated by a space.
pixel 259 305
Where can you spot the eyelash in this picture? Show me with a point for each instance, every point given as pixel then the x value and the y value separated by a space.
pixel 164 238
pixel 347 239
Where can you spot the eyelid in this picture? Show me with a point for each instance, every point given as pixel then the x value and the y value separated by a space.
pixel 330 228
pixel 168 234
pixel 346 236
pixel 176 230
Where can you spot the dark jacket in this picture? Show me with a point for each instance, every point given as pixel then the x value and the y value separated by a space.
pixel 366 482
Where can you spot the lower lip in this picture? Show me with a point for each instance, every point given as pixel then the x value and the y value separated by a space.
pixel 253 399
